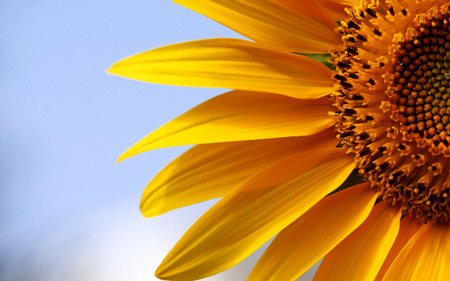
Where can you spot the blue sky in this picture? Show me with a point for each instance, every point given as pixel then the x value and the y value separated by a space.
pixel 67 211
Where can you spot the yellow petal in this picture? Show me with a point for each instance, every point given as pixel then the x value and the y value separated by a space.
pixel 254 212
pixel 269 23
pixel 408 227
pixel 307 240
pixel 229 63
pixel 212 170
pixel 328 12
pixel 361 254
pixel 425 257
pixel 346 2
pixel 237 116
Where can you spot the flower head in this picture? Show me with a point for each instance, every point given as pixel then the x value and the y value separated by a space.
pixel 283 148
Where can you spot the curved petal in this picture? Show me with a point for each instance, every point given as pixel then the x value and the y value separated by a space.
pixel 408 227
pixel 229 63
pixel 254 212
pixel 361 254
pixel 304 242
pixel 271 24
pixel 425 257
pixel 328 12
pixel 238 116
pixel 346 2
pixel 210 171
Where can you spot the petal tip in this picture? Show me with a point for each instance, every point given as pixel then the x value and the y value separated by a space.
pixel 113 70
pixel 124 156
pixel 162 273
pixel 148 212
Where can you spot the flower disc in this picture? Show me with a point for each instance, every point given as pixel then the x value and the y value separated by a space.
pixel 393 100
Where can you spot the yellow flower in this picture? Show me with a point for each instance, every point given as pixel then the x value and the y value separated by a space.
pixel 292 132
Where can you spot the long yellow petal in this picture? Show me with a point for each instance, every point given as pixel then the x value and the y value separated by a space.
pixel 238 116
pixel 328 12
pixel 254 212
pixel 425 257
pixel 361 254
pixel 229 63
pixel 212 170
pixel 303 243
pixel 408 227
pixel 346 2
pixel 269 23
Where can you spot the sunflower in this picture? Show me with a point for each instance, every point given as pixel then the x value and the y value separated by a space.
pixel 336 137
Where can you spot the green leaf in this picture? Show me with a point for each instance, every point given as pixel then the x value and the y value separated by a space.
pixel 353 179
pixel 322 58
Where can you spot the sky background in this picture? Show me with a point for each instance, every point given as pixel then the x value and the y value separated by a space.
pixel 67 210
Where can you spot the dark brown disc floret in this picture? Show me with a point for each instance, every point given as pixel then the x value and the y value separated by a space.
pixel 421 102
pixel 393 101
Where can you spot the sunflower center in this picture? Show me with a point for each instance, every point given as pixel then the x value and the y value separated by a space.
pixel 421 102
pixel 393 100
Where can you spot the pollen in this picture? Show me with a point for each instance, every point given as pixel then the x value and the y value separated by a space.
pixel 392 94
